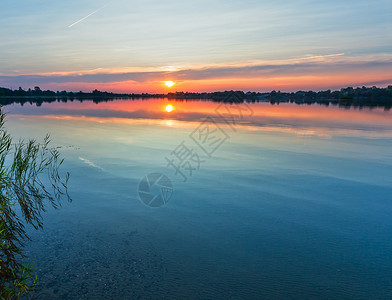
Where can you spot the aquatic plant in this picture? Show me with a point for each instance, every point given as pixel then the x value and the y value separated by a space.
pixel 29 182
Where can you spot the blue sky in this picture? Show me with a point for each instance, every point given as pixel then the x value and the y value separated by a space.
pixel 189 36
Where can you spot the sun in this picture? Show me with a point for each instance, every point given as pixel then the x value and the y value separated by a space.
pixel 169 83
pixel 169 108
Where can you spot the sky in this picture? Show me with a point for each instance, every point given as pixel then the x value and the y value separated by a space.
pixel 135 46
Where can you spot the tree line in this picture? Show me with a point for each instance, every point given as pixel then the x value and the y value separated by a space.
pixel 360 96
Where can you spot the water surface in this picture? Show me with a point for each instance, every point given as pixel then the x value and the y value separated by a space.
pixel 294 204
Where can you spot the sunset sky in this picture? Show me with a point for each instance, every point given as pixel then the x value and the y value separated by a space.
pixel 135 46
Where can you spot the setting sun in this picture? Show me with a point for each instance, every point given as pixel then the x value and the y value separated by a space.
pixel 169 83
pixel 169 108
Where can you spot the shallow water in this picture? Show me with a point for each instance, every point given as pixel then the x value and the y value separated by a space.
pixel 294 203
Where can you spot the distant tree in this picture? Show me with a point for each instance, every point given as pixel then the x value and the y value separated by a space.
pixel 21 92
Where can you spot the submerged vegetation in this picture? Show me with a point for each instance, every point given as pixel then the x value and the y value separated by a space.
pixel 29 183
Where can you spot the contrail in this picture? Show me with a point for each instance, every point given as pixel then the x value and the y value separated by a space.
pixel 73 24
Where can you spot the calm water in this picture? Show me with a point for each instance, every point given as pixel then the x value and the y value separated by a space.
pixel 295 203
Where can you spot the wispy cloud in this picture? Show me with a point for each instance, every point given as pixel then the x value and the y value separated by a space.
pixel 90 163
pixel 355 69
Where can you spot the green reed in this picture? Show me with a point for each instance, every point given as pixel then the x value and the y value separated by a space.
pixel 29 183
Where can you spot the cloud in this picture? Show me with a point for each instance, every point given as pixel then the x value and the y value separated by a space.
pixel 305 66
pixel 90 163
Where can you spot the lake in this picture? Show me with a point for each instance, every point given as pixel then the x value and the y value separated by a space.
pixel 245 201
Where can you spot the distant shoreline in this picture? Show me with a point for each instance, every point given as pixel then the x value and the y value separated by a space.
pixel 362 97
